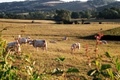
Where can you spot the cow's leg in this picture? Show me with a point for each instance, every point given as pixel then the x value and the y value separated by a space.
pixel 37 48
pixel 72 50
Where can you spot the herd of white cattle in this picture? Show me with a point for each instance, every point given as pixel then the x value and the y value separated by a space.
pixel 16 45
pixel 36 43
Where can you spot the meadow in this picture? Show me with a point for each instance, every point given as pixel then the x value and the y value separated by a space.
pixel 48 30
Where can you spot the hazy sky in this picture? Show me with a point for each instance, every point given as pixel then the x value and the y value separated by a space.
pixel 23 0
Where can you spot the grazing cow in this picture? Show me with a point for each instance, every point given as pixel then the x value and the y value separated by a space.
pixel 39 43
pixel 23 40
pixel 65 38
pixel 14 46
pixel 75 46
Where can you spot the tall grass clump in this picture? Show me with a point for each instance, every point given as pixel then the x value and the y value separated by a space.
pixel 102 70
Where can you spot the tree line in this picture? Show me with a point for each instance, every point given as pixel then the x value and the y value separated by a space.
pixel 65 15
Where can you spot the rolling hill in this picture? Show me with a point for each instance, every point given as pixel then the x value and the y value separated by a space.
pixel 48 5
pixel 115 4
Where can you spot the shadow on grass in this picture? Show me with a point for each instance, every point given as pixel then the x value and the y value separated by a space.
pixel 75 77
pixel 105 37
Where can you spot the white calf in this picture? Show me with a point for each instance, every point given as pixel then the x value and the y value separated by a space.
pixel 75 46
pixel 39 43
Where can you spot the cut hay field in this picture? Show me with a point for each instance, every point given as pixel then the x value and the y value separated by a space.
pixel 45 60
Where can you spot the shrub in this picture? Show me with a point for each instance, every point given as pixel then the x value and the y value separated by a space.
pixel 13 65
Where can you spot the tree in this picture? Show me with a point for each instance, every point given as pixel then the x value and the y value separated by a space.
pixel 110 13
pixel 37 15
pixel 3 15
pixel 75 15
pixel 85 14
pixel 62 15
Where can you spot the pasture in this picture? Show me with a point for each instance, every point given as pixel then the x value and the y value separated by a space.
pixel 45 60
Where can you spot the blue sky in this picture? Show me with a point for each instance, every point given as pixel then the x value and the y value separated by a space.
pixel 23 0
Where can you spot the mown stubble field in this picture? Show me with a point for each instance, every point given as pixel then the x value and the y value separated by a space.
pixel 45 60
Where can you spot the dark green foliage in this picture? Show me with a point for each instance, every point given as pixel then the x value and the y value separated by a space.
pixel 57 71
pixel 75 15
pixel 117 64
pixel 35 76
pixel 87 13
pixel 105 70
pixel 60 59
pixel 70 70
pixel 105 74
pixel 62 15
pixel 110 13
pixel 93 72
pixel 37 15
pixel 105 66
pixel 107 54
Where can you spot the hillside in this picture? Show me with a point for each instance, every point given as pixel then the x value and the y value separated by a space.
pixel 27 6
pixel 78 6
pixel 48 5
pixel 112 34
pixel 115 4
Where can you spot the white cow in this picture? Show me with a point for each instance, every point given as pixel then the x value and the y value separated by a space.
pixel 75 46
pixel 23 40
pixel 13 46
pixel 39 43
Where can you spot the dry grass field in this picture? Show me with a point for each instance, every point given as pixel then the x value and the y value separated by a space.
pixel 45 60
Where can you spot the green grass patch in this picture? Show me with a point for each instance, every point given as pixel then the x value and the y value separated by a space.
pixel 113 32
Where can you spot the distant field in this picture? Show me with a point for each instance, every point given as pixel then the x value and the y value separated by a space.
pixel 42 29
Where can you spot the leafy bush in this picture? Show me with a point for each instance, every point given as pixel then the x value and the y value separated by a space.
pixel 13 64
pixel 101 70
